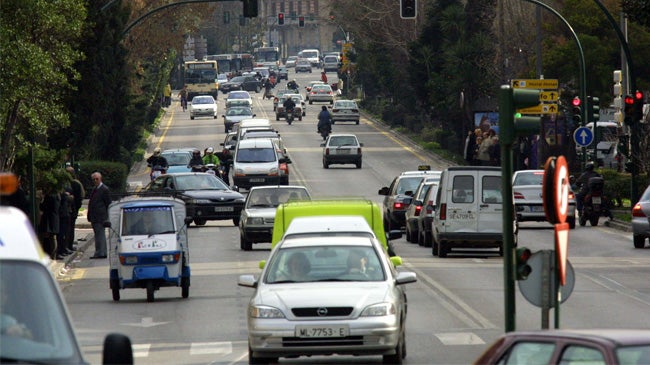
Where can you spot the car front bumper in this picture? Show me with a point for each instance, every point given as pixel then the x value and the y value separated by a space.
pixel 214 211
pixel 249 181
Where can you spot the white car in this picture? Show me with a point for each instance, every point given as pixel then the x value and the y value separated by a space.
pixel 203 106
pixel 527 194
pixel 345 111
pixel 291 61
pixel 342 149
pixel 239 98
pixel 323 295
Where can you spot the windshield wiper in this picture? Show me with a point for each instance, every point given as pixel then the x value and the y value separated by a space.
pixel 165 232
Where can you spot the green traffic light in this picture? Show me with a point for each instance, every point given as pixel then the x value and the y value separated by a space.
pixel 517 115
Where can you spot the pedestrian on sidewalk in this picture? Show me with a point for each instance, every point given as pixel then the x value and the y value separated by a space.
pixel 100 199
pixel 78 194
pixel 48 226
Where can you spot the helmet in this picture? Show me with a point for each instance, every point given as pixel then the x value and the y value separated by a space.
pixel 210 150
pixel 156 151
pixel 196 152
pixel 294 80
pixel 589 166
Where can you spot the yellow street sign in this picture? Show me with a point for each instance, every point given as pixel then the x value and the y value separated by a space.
pixel 534 84
pixel 545 96
pixel 551 108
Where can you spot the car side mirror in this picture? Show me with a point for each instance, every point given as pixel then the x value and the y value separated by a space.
pixel 360 144
pixel 322 144
pixel 383 191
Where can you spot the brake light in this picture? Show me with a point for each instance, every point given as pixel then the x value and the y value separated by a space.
pixel 443 211
pixel 418 209
pixel 518 195
pixel 572 195
pixel 637 211
pixel 335 110
pixel 399 205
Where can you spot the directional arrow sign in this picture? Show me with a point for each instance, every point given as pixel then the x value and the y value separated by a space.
pixel 550 108
pixel 535 84
pixel 583 136
pixel 549 96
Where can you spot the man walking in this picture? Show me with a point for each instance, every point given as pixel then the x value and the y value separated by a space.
pixel 100 199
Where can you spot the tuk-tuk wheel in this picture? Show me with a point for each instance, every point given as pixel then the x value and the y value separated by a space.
pixel 185 287
pixel 150 291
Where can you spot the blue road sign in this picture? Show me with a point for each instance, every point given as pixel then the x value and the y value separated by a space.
pixel 583 136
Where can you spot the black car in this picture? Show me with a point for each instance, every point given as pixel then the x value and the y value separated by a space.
pixel 206 196
pixel 248 83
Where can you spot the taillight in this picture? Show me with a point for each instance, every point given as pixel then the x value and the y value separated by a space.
pixel 572 195
pixel 429 210
pixel 443 211
pixel 418 209
pixel 398 205
pixel 637 211
pixel 518 195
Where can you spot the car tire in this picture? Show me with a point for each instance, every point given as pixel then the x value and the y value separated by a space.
pixel 359 164
pixel 399 354
pixel 428 239
pixel 115 289
pixel 357 122
pixel 260 360
pixel 333 122
pixel 277 117
pixel 572 222
pixel 191 117
pixel 420 237
pixel 185 287
pixel 200 221
pixel 434 248
pixel 235 221
pixel 325 164
pixel 408 234
pixel 639 241
pixel 413 234
pixel 245 244
pixel 150 291
pixel 442 250
pixel 594 220
pixel 258 89
pixel 583 220
pixel 300 118
pixel 310 102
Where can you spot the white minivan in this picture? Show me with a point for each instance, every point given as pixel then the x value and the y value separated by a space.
pixel 469 208
pixel 257 162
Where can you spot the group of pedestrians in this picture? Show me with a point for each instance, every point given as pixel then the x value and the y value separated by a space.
pixel 482 148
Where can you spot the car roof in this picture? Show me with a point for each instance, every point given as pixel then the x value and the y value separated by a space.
pixel 255 142
pixel 622 337
pixel 328 223
pixel 18 240
pixel 351 240
pixel 276 187
pixel 184 149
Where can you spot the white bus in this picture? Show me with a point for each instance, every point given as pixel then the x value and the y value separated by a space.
pixel 201 78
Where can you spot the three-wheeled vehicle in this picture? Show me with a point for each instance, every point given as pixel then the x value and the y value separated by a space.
pixel 148 245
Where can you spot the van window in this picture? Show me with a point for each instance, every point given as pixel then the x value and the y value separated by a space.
pixel 463 189
pixel 491 189
pixel 256 155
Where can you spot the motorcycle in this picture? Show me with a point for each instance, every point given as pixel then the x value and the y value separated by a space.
pixel 595 204
pixel 156 171
pixel 325 131
pixel 290 116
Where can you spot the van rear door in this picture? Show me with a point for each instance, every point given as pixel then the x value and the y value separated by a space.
pixel 462 207
pixel 490 204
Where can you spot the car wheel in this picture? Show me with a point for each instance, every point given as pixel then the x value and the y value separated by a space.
pixel 235 221
pixel 310 102
pixel 639 241
pixel 115 288
pixel 572 222
pixel 408 234
pixel 420 237
pixel 260 360
pixel 333 122
pixel 583 220
pixel 277 117
pixel 399 354
pixel 200 221
pixel 325 164
pixel 257 89
pixel 226 130
pixel 300 118
pixel 442 250
pixel 434 248
pixel 594 220
pixel 357 122
pixel 331 102
pixel 185 287
pixel 191 117
pixel 245 244
pixel 428 239
pixel 359 164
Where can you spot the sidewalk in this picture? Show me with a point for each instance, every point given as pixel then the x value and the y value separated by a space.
pixel 85 239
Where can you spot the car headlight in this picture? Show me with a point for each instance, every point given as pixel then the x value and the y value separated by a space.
pixel 255 220
pixel 378 310
pixel 264 312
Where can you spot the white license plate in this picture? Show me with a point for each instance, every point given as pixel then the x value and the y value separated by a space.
pixel 223 209
pixel 595 200
pixel 257 180
pixel 322 331
pixel 537 209
pixel 343 152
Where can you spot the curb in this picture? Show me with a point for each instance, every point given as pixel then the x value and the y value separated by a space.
pixel 619 225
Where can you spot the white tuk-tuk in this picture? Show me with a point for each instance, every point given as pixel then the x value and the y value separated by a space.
pixel 148 245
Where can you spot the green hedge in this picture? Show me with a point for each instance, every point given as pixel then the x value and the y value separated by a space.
pixel 618 184
pixel 114 175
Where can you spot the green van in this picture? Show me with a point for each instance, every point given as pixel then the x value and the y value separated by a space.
pixel 368 209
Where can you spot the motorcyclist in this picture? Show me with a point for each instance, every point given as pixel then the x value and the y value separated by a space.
pixel 268 85
pixel 156 159
pixel 583 184
pixel 210 158
pixel 196 162
pixel 323 77
pixel 292 85
pixel 289 106
pixel 324 121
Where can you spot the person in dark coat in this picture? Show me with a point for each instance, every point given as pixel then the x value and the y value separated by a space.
pixel 78 194
pixel 64 224
pixel 48 227
pixel 100 199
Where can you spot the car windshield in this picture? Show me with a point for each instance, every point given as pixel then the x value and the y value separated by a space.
pixel 337 141
pixel 529 178
pixel 199 182
pixel 149 220
pixel 236 95
pixel 239 111
pixel 203 100
pixel 265 198
pixel 177 158
pixel 33 319
pixel 324 263
pixel 256 155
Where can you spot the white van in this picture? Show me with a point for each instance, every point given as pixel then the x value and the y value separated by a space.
pixel 330 63
pixel 257 162
pixel 469 208
pixel 257 123
pixel 313 55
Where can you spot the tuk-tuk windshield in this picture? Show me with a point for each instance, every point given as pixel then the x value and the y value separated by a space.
pixel 147 220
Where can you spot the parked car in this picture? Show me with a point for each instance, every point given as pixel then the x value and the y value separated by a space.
pixel 239 98
pixel 256 223
pixel 178 159
pixel 342 149
pixel 325 295
pixel 579 346
pixel 297 111
pixel 425 219
pixel 303 65
pixel 416 208
pixel 203 106
pixel 236 114
pixel 291 61
pixel 206 196
pixel 321 93
pixel 527 194
pixel 345 111
pixel 641 220
pixel 248 83
pixel 398 196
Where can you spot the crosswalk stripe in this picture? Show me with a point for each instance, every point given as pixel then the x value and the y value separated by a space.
pixel 204 348
pixel 141 350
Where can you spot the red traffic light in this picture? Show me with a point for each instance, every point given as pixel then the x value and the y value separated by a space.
pixel 638 95
pixel 280 18
pixel 576 101
pixel 629 100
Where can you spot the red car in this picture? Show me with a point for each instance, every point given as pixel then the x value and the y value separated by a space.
pixel 583 346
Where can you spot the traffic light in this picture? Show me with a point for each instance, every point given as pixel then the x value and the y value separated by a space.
pixel 593 109
pixel 522 255
pixel 301 21
pixel 577 111
pixel 638 106
pixel 280 18
pixel 512 123
pixel 629 109
pixel 408 9
pixel 250 8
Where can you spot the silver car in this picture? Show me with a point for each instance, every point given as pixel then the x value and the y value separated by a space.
pixel 640 220
pixel 325 295
pixel 257 217
pixel 345 111
pixel 527 193
pixel 321 93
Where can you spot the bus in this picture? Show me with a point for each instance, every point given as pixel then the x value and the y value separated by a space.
pixel 201 78
pixel 266 56
pixel 225 62
pixel 244 62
